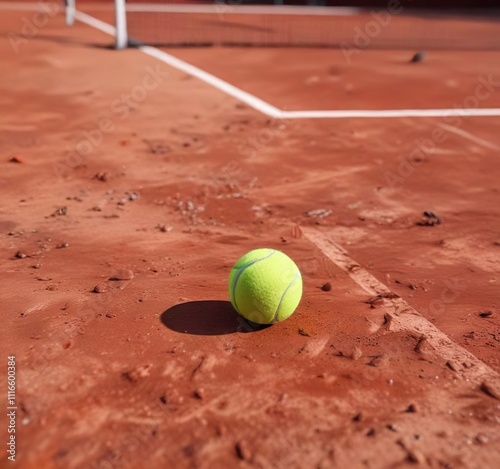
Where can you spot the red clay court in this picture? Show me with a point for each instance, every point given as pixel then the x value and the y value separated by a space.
pixel 133 179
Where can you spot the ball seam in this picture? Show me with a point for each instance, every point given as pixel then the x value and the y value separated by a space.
pixel 297 276
pixel 240 272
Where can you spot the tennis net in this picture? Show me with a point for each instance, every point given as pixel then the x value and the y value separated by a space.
pixel 237 23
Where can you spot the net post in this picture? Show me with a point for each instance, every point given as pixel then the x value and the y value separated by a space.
pixel 70 12
pixel 121 39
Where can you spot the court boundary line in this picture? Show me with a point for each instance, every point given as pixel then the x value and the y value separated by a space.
pixel 228 9
pixel 401 316
pixel 222 8
pixel 272 111
pixel 263 106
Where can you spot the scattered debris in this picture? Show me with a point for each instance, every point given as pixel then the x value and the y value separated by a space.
pixel 379 299
pixel 326 286
pixel 20 255
pixel 199 394
pixel 36 266
pixel 370 432
pixel 358 417
pixel 197 367
pixel 122 274
pixel 158 147
pixel 133 196
pixel 415 456
pixel 392 427
pixel 61 211
pixel 387 321
pixel 421 346
pixel 378 360
pixel 17 159
pixel 491 388
pixel 481 439
pixel 62 245
pixel 319 213
pixel 140 372
pixel 101 288
pixel 485 314
pixel 418 57
pixel 411 409
pixel 374 301
pixel 452 366
pixel 429 219
pixel 110 315
pixel 243 451
pixel 412 455
pixel 356 353
pixel 164 228
pixel 304 333
pixel 101 176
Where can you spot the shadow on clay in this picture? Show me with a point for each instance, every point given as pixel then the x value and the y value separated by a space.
pixel 209 317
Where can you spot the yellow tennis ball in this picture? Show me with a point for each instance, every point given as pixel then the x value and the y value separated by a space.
pixel 265 286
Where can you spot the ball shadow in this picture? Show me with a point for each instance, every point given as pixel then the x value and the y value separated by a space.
pixel 209 317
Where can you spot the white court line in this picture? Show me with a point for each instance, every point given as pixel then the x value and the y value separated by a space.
pixel 403 316
pixel 228 9
pixel 389 113
pixel 469 136
pixel 272 111
pixel 95 23
pixel 212 80
pixel 219 8
pixel 222 85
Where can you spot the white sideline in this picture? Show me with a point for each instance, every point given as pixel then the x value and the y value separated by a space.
pixel 222 85
pixel 389 113
pixel 228 9
pixel 259 104
pixel 403 316
pixel 95 23
pixel 220 8
pixel 212 80
pixel 272 111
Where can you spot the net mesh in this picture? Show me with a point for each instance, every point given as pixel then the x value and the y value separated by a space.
pixel 232 23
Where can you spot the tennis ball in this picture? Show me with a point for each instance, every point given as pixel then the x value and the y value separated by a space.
pixel 265 286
